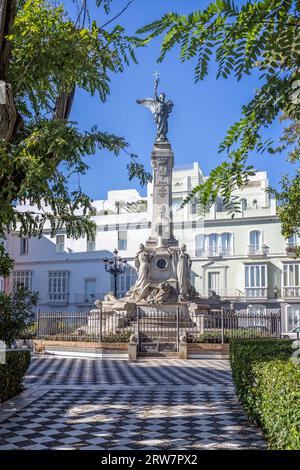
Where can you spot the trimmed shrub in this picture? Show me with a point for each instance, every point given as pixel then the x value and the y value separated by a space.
pixel 117 337
pixel 12 373
pixel 268 385
pixel 216 337
pixel 277 402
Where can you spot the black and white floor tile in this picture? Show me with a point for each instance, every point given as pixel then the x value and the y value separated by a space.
pixel 158 405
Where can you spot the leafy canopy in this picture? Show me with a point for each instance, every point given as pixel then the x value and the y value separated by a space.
pixel 258 35
pixel 51 55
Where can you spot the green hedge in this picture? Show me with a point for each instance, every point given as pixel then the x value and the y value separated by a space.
pixel 268 385
pixel 12 373
pixel 216 337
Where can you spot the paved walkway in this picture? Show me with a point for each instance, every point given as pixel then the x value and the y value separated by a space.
pixel 152 404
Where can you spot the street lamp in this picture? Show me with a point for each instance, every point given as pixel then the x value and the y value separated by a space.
pixel 115 266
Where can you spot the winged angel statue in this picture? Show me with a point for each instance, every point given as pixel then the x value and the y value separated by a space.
pixel 161 110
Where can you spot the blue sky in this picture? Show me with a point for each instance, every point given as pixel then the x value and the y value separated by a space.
pixel 201 115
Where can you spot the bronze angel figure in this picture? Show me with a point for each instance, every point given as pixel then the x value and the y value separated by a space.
pixel 161 110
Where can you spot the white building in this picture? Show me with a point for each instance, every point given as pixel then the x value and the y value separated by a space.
pixel 243 259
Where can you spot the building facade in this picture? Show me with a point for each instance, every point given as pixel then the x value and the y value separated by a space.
pixel 242 259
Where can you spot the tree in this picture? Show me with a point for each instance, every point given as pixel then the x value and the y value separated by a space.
pixel 44 56
pixel 16 313
pixel 261 36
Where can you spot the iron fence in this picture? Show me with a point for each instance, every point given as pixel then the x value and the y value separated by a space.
pixel 219 326
pixel 85 326
pixel 153 325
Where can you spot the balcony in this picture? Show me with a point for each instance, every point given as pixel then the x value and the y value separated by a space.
pixel 290 248
pixel 213 253
pixel 58 299
pixel 291 292
pixel 87 300
pixel 256 292
pixel 257 250
pixel 224 294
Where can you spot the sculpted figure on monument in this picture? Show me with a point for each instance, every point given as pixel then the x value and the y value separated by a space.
pixel 140 290
pixel 164 293
pixel 161 110
pixel 183 272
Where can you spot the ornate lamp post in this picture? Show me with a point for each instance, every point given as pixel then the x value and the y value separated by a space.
pixel 115 266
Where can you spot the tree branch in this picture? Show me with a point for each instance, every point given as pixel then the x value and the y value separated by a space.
pixel 116 16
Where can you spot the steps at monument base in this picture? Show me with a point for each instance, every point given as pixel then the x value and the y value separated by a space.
pixel 158 347
pixel 165 354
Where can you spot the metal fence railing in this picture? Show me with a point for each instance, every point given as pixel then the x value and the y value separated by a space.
pixel 151 324
pixel 85 326
pixel 219 326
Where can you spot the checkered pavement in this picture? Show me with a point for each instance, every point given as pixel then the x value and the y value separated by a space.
pixel 114 405
pixel 78 371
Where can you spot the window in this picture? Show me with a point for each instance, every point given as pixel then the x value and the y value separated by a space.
pixel 24 246
pixel 90 244
pixel 257 309
pixel 213 283
pixel 225 241
pixel 90 288
pixel 124 282
pixel 255 247
pixel 122 241
pixel 22 277
pixel 60 243
pixel 256 280
pixel 176 205
pixel 293 316
pixel 256 317
pixel 194 205
pixel 293 241
pixel 58 285
pixel 244 203
pixel 291 279
pixel 213 244
pixel 200 245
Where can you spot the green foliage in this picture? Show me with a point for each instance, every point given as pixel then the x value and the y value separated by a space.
pixel 216 337
pixel 12 373
pixel 122 337
pixel 51 55
pixel 29 332
pixel 277 396
pixel 256 35
pixel 16 313
pixel 268 385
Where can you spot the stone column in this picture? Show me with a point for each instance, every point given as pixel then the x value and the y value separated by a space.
pixel 162 160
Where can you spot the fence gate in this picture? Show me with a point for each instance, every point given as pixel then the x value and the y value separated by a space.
pixel 158 331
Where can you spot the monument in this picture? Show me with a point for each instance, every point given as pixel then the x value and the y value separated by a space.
pixel 163 266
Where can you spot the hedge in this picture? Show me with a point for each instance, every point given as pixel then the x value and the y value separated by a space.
pixel 12 373
pixel 216 336
pixel 268 385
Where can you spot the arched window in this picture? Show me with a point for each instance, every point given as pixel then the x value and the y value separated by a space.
pixel 226 243
pixel 200 245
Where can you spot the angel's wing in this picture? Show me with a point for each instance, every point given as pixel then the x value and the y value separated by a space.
pixel 170 105
pixel 149 103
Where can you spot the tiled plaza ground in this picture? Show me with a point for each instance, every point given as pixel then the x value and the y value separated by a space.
pixel 151 404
